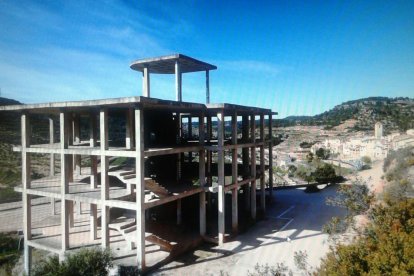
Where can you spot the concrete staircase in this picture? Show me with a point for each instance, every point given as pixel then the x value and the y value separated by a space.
pixel 127 227
pixel 128 177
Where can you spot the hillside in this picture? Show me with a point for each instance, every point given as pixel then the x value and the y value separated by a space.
pixel 6 101
pixel 9 161
pixel 394 113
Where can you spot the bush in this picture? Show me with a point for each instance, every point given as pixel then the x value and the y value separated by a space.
pixel 386 248
pixel 94 262
pixel 322 153
pixel 9 252
pixel 325 174
pixel 356 199
pixel 366 160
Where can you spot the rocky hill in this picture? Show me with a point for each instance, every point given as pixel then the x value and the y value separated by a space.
pixel 394 113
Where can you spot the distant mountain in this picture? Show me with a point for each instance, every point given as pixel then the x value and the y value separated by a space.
pixel 5 101
pixel 9 124
pixel 394 113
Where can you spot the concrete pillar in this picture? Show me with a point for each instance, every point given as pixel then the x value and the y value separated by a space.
pixel 103 121
pixel 26 182
pixel 66 172
pixel 51 141
pixel 190 136
pixel 71 213
pixel 93 221
pixel 221 193
pixel 76 140
pixel 202 176
pixel 178 82
pixel 245 160
pixel 27 259
pixel 140 189
pixel 79 208
pixel 209 153
pixel 146 82
pixel 207 86
pixel 92 143
pixel 129 141
pixel 53 206
pixel 94 172
pixel 262 166
pixel 52 160
pixel 179 155
pixel 235 173
pixel 270 158
pixel 253 167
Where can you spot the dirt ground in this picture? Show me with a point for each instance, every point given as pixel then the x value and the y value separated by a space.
pixel 373 177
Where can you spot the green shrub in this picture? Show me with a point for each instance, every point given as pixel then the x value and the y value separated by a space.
pixel 9 252
pixel 94 262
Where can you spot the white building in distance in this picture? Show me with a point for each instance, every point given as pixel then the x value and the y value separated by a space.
pixel 376 147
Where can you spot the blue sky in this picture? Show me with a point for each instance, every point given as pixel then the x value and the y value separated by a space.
pixel 298 58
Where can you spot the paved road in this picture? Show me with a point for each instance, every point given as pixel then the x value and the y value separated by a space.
pixel 295 214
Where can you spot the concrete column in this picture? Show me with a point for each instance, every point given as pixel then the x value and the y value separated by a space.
pixel 53 206
pixel 202 176
pixel 209 153
pixel 66 172
pixel 140 189
pixel 190 135
pixel 178 82
pixel 76 140
pixel 235 173
pixel 51 141
pixel 94 172
pixel 52 160
pixel 146 82
pixel 26 182
pixel 79 208
pixel 253 168
pixel 129 141
pixel 245 160
pixel 93 221
pixel 270 158
pixel 262 166
pixel 179 155
pixel 221 193
pixel 27 259
pixel 92 143
pixel 71 213
pixel 103 121
pixel 207 86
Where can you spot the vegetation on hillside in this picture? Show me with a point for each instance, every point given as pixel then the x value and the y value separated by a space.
pixel 385 246
pixel 394 113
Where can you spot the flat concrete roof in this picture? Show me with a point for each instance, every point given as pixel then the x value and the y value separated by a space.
pixel 166 64
pixel 140 101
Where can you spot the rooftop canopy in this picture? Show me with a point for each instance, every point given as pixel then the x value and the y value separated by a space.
pixel 166 64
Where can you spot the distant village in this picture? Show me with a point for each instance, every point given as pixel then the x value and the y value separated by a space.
pixel 375 147
pixel 300 141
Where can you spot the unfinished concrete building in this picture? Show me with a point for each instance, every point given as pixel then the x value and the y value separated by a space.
pixel 127 173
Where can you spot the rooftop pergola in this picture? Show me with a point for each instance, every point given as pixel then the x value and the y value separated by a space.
pixel 172 64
